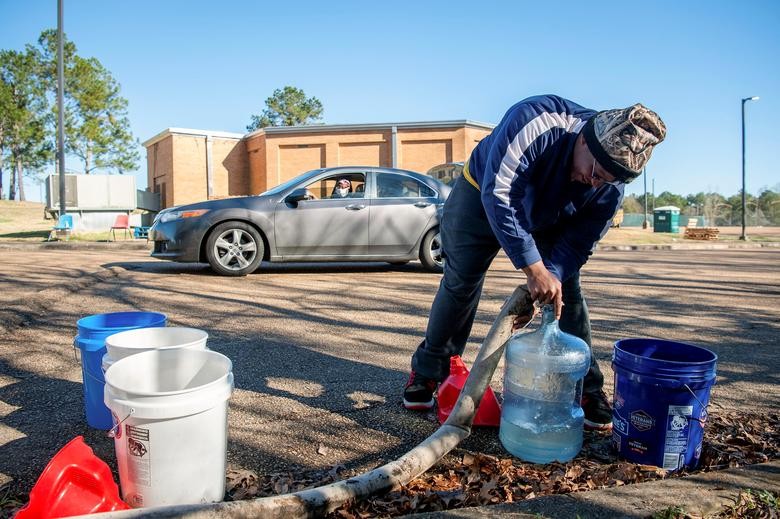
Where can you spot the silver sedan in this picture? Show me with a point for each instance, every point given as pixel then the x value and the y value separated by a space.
pixel 332 214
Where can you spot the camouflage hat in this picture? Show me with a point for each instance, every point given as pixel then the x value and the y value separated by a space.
pixel 622 140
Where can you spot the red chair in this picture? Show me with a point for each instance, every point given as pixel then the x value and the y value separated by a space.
pixel 122 222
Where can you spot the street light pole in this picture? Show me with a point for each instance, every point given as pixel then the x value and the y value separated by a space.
pixel 744 200
pixel 60 110
pixel 644 221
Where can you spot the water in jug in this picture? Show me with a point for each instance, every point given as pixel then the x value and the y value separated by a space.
pixel 541 417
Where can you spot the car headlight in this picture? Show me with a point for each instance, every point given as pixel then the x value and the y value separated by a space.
pixel 175 215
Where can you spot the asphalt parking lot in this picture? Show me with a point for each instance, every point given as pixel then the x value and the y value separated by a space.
pixel 321 352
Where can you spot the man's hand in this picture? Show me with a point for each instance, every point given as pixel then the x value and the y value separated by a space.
pixel 521 306
pixel 545 288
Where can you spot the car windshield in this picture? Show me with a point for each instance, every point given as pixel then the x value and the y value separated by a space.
pixel 286 185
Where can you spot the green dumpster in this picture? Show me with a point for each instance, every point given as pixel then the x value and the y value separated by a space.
pixel 666 219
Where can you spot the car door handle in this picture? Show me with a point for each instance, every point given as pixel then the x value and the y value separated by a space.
pixel 355 207
pixel 422 204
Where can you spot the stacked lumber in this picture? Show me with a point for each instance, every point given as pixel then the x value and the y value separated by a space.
pixel 701 233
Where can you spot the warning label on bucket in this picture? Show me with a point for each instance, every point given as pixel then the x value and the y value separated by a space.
pixel 138 462
pixel 137 433
pixel 677 433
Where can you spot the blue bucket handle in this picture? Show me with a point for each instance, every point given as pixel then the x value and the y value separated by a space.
pixel 93 377
pixel 77 354
pixel 75 349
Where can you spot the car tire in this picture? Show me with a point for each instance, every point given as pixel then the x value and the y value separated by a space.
pixel 234 249
pixel 430 251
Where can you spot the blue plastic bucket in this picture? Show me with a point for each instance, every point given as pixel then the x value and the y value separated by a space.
pixel 662 389
pixel 92 333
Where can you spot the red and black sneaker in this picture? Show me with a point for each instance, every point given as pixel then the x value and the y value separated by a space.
pixel 598 412
pixel 418 392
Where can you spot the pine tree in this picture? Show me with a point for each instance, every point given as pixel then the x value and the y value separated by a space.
pixel 97 128
pixel 23 143
pixel 287 107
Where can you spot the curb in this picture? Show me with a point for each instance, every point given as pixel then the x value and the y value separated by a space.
pixel 76 245
pixel 691 246
pixel 698 494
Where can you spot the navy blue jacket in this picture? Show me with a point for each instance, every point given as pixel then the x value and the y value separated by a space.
pixel 523 172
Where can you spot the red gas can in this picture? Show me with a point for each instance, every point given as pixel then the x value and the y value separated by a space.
pixel 489 412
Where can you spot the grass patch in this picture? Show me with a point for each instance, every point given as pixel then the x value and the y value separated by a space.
pixel 25 235
pixel 752 504
pixel 638 236
pixel 756 238
pixel 24 221
pixel 103 236
pixel 749 504
pixel 673 512
pixel 624 236
pixel 9 504
pixel 99 236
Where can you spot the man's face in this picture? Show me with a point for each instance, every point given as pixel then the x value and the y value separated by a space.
pixel 584 167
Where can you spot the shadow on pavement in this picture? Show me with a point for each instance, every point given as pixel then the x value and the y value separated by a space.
pixel 320 351
pixel 277 423
pixel 166 267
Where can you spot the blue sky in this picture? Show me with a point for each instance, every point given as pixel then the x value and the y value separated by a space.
pixel 210 65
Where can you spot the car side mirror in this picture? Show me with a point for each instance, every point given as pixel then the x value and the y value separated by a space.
pixel 298 195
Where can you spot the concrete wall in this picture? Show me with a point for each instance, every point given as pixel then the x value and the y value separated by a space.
pixel 101 221
pixel 93 192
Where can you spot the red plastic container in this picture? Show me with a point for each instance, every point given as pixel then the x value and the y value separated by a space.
pixel 75 482
pixel 489 412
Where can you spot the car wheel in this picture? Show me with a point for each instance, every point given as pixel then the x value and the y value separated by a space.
pixel 234 249
pixel 430 251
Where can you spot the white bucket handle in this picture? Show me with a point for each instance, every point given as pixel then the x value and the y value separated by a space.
pixel 111 433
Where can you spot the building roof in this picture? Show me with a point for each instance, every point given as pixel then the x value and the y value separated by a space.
pixel 189 131
pixel 318 128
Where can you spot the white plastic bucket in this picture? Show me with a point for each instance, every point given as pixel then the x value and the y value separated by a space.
pixel 170 433
pixel 124 344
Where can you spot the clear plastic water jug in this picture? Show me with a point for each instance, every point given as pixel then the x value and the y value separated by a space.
pixel 541 417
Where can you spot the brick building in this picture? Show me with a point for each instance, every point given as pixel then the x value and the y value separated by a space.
pixel 187 166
